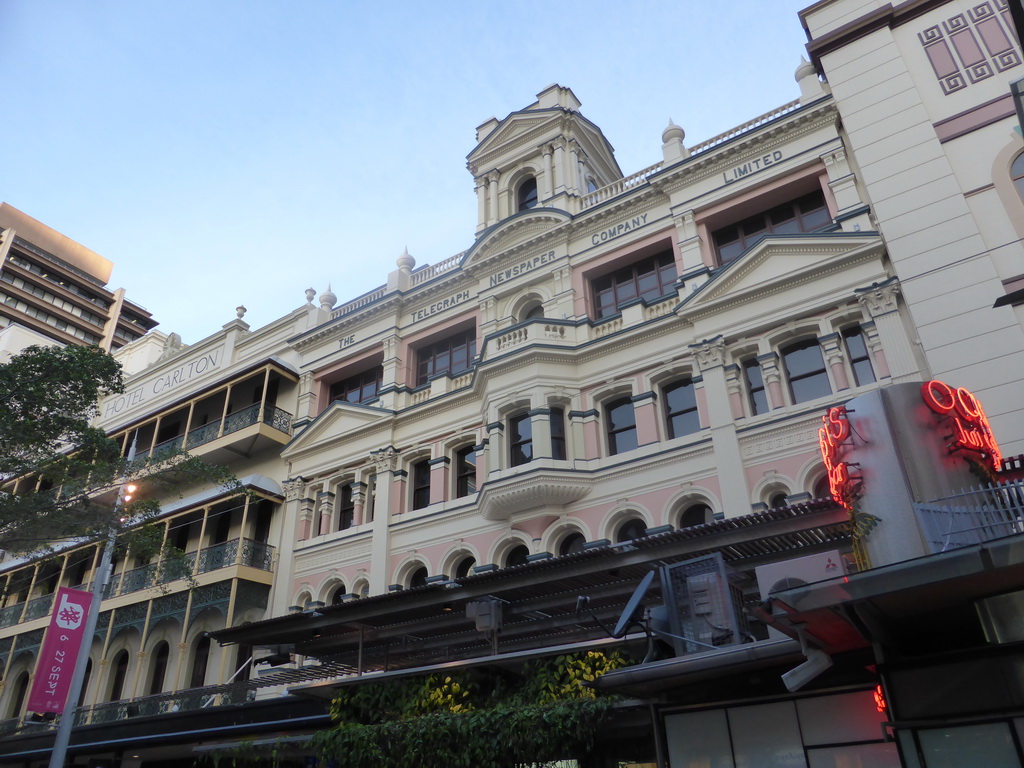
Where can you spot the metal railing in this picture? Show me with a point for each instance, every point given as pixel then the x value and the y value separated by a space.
pixel 248 552
pixel 973 516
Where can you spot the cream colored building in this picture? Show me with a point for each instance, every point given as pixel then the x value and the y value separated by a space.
pixel 611 356
pixel 923 90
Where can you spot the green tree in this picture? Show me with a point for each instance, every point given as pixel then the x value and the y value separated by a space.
pixel 60 476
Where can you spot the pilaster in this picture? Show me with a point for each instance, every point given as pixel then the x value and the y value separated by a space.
pixel 385 461
pixel 881 302
pixel 710 356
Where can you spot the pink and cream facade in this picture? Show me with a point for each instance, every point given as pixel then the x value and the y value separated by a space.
pixel 612 354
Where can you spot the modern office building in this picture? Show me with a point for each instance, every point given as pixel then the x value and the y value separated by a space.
pixel 620 373
pixel 53 289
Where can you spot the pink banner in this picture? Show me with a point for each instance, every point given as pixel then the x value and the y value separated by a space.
pixel 60 651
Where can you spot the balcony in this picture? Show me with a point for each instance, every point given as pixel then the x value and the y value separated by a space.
pixel 247 552
pixel 235 424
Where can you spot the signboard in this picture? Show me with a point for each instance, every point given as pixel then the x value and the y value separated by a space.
pixel 971 431
pixel 60 651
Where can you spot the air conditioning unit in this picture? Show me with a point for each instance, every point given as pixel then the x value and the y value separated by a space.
pixel 796 573
pixel 799 571
pixel 703 604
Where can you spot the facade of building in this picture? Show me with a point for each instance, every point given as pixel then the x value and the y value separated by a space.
pixel 54 290
pixel 619 372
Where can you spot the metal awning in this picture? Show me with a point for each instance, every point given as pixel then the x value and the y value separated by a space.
pixel 428 625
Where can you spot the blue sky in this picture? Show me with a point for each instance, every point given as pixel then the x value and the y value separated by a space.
pixel 227 152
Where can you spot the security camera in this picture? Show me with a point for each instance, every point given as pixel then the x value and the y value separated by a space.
pixel 817 662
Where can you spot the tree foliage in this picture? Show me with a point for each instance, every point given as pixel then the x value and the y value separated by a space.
pixel 463 720
pixel 60 476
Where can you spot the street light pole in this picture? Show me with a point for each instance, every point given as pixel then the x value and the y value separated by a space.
pixel 99 585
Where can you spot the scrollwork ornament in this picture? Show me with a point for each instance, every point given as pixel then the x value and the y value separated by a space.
pixel 880 298
pixel 709 353
pixel 385 460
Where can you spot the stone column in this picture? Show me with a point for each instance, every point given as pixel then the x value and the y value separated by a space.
pixel 769 363
pixel 874 345
pixel 832 349
pixel 646 415
pixel 294 491
pixel 689 242
pixel 734 385
pixel 710 355
pixel 481 204
pixel 492 198
pixel 358 503
pixel 386 462
pixel 843 184
pixel 559 180
pixel 546 186
pixel 496 448
pixel 540 427
pixel 439 473
pixel 392 372
pixel 325 512
pixel 882 304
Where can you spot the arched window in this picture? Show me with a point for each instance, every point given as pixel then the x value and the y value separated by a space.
pixel 421 484
pixel 805 371
pixel 572 544
pixel 526 196
pixel 621 426
pixel 418 577
pixel 337 597
pixel 200 660
pixel 698 514
pixel 1017 174
pixel 158 671
pixel 821 488
pixel 120 672
pixel 681 409
pixel 85 682
pixel 777 500
pixel 633 528
pixel 18 700
pixel 463 568
pixel 534 311
pixel 517 556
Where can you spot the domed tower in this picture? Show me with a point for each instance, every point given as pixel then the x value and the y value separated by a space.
pixel 543 156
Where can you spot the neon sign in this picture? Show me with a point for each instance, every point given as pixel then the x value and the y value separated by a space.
pixel 834 432
pixel 880 703
pixel 971 429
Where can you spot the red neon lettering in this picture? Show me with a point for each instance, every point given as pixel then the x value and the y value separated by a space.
pixel 938 396
pixel 834 432
pixel 971 428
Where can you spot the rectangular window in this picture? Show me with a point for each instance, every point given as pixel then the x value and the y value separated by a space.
pixel 520 440
pixel 360 388
pixel 451 355
pixel 681 409
pixel 648 279
pixel 421 484
pixel 346 507
pixel 621 426
pixel 805 214
pixel 858 355
pixel 557 421
pixel 805 370
pixel 756 394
